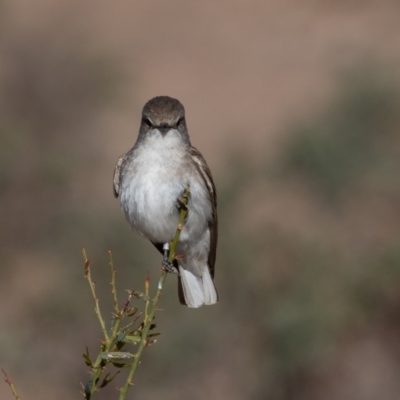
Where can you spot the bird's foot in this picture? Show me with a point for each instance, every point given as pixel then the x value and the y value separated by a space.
pixel 169 267
pixel 166 264
pixel 181 203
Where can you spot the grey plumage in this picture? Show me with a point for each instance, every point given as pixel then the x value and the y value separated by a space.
pixel 149 179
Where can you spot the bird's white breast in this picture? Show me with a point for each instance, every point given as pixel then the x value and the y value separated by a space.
pixel 153 180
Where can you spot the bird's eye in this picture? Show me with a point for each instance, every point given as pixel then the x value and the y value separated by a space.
pixel 179 123
pixel 146 121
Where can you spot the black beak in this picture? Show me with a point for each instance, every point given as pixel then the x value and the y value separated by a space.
pixel 163 128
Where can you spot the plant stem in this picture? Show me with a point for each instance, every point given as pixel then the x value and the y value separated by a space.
pixel 88 275
pixel 113 285
pixel 12 386
pixel 97 367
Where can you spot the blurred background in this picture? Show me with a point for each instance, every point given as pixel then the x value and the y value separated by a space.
pixel 295 105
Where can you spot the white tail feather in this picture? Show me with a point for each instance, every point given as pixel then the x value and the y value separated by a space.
pixel 192 288
pixel 210 294
pixel 198 291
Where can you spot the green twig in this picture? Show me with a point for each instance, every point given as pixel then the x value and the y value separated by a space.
pixel 88 275
pixel 113 285
pixel 12 386
pixel 109 351
pixel 97 367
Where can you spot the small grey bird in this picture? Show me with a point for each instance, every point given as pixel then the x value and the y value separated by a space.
pixel 151 177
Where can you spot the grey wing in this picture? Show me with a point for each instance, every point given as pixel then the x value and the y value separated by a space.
pixel 213 224
pixel 117 175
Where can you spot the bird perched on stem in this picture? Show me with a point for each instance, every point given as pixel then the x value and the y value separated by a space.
pixel 149 181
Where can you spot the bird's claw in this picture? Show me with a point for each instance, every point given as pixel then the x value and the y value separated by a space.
pixel 169 267
pixel 180 203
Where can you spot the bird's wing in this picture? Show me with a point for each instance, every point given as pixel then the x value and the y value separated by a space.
pixel 205 172
pixel 117 175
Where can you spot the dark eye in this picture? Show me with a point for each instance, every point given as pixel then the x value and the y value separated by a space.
pixel 179 123
pixel 146 121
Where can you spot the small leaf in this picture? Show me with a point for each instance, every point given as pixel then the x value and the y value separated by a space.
pixel 88 361
pixel 147 285
pixel 116 355
pixel 131 311
pixel 120 365
pixel 119 345
pixel 108 378
pixel 154 334
pixel 131 339
pixel 88 389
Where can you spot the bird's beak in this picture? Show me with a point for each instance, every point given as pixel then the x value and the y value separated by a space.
pixel 163 128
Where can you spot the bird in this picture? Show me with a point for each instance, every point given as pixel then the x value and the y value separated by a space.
pixel 150 179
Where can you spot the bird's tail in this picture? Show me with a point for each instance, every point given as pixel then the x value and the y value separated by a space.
pixel 194 291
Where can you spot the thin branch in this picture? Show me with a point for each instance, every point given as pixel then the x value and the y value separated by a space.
pixel 88 275
pixel 113 284
pixel 97 367
pixel 12 386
